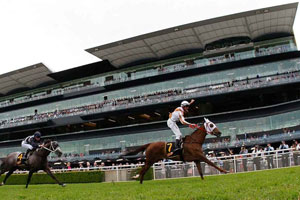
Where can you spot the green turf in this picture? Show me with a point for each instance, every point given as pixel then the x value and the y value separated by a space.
pixel 271 184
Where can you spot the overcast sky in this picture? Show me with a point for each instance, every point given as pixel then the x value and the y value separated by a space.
pixel 57 32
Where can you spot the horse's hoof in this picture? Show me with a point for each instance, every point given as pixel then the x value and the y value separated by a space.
pixel 63 185
pixel 136 176
pixel 1 184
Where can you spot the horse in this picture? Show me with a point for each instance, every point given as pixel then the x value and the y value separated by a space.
pixel 191 149
pixel 36 161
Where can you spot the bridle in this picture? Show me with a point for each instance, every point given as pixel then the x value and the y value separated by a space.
pixel 193 139
pixel 205 131
pixel 51 149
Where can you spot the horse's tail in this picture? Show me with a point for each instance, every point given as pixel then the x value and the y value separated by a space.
pixel 136 151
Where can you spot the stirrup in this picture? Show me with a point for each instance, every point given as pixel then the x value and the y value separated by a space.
pixel 177 150
pixel 23 161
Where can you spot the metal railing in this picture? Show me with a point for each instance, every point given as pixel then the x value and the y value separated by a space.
pixel 176 169
pixel 232 164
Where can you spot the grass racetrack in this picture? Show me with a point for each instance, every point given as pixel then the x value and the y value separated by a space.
pixel 270 184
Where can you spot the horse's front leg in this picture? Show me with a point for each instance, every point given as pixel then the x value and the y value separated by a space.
pixel 198 164
pixel 204 159
pixel 1 172
pixel 29 177
pixel 48 171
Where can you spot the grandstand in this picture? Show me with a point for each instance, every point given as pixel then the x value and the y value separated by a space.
pixel 243 70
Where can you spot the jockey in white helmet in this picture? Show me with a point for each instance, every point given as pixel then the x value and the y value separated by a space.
pixel 178 116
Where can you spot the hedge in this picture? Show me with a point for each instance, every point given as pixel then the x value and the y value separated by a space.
pixel 147 176
pixel 66 177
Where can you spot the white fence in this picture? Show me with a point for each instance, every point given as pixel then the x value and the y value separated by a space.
pixel 233 164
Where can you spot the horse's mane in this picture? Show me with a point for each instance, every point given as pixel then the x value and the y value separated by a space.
pixel 186 138
pixel 47 141
pixel 199 124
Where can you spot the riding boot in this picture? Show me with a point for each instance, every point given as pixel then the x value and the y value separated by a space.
pixel 178 144
pixel 27 153
pixel 24 158
pixel 177 147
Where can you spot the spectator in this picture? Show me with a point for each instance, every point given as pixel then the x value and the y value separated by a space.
pixel 285 154
pixel 244 157
pixel 296 148
pixel 226 162
pixel 69 166
pixel 88 165
pixel 269 155
pixel 256 154
pixel 80 166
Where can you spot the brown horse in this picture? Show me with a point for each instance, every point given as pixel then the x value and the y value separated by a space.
pixel 37 161
pixel 192 149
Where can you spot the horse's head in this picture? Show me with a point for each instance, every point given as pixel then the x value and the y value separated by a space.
pixel 53 146
pixel 211 128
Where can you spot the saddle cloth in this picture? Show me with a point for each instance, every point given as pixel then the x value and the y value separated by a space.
pixel 170 146
pixel 19 158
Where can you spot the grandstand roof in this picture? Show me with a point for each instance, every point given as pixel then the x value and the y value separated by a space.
pixel 25 78
pixel 195 36
pixel 83 71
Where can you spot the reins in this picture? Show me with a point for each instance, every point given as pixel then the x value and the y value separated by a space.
pixel 194 140
pixel 52 151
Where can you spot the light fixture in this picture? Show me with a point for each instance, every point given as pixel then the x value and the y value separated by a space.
pixel 131 117
pixel 111 120
pixel 157 113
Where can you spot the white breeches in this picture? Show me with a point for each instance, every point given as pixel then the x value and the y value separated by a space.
pixel 173 126
pixel 26 146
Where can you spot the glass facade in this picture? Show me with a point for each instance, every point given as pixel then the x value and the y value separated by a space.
pixel 201 62
pixel 233 128
pixel 261 49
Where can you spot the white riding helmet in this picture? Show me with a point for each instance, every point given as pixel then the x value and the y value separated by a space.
pixel 185 103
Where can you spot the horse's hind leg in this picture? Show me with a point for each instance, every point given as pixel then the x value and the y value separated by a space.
pixel 7 175
pixel 0 177
pixel 199 168
pixel 143 171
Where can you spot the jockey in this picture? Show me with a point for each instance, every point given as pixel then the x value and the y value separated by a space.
pixel 31 143
pixel 178 116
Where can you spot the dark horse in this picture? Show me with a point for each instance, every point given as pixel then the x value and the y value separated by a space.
pixel 37 161
pixel 192 149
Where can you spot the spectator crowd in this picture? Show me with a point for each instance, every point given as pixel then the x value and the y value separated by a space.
pixel 153 97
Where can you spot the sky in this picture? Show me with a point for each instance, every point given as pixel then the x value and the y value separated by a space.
pixel 57 32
